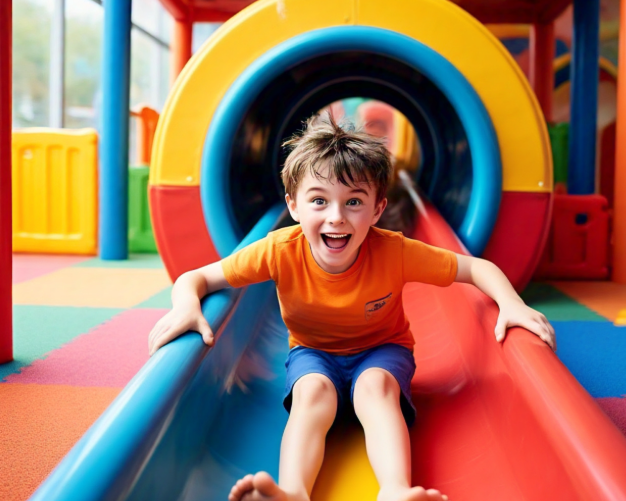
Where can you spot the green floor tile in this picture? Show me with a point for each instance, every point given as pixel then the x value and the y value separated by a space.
pixel 161 299
pixel 557 306
pixel 40 329
pixel 133 261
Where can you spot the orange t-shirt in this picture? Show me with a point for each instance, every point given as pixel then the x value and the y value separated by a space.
pixel 343 313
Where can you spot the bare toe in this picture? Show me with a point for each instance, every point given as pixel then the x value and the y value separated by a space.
pixel 435 495
pixel 264 483
pixel 242 486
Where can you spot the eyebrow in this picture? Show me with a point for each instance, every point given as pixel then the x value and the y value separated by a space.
pixel 353 190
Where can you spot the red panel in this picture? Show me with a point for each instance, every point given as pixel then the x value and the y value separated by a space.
pixel 6 322
pixel 500 421
pixel 179 229
pixel 607 163
pixel 541 77
pixel 519 235
pixel 579 239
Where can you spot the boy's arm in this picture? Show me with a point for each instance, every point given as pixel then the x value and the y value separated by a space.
pixel 513 311
pixel 186 313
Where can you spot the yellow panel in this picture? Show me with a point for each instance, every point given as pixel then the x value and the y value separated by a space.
pixel 492 71
pixel 55 191
pixel 199 88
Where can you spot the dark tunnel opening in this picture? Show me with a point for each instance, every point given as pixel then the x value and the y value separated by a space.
pixel 281 108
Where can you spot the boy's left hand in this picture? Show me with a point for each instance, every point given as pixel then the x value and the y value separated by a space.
pixel 516 314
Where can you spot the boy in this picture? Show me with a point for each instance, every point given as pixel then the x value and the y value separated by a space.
pixel 339 282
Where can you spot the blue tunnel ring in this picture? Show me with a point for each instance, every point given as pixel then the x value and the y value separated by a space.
pixel 486 192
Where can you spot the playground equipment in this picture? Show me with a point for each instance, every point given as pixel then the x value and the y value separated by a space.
pixel 523 182
pixel 140 234
pixel 55 191
pixel 6 306
pixel 493 418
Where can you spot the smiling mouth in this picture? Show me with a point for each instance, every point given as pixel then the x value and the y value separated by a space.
pixel 336 241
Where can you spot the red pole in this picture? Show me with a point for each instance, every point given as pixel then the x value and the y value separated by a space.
pixel 181 47
pixel 541 60
pixel 6 235
pixel 619 209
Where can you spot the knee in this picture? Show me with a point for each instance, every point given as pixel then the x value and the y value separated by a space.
pixel 314 390
pixel 376 384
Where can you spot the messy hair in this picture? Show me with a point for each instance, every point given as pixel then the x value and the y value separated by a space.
pixel 352 156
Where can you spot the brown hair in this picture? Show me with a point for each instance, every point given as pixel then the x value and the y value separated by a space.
pixel 352 156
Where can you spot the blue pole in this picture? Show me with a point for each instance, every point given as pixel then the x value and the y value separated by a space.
pixel 113 228
pixel 584 97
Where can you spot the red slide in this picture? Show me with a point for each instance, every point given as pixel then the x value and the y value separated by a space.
pixel 500 421
pixel 496 421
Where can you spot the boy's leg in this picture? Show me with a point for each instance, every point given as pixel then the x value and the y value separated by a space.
pixel 313 411
pixel 377 405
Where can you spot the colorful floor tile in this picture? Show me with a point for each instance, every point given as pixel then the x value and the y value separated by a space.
pixel 40 329
pixel 95 287
pixel 556 305
pixel 108 356
pixel 80 335
pixel 594 352
pixel 134 261
pixel 605 298
pixel 28 266
pixel 615 408
pixel 40 424
pixel 78 339
pixel 161 299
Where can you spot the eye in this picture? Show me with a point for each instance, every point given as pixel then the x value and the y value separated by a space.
pixel 318 201
pixel 354 202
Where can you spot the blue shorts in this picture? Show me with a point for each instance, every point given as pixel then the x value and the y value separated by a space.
pixel 344 370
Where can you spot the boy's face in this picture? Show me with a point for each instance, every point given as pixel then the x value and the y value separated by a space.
pixel 335 218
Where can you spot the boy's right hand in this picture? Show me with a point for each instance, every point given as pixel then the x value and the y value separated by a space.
pixel 176 322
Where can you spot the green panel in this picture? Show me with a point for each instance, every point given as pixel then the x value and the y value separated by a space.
pixel 152 261
pixel 140 235
pixel 557 306
pixel 559 137
pixel 40 329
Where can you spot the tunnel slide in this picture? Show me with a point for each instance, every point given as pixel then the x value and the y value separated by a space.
pixel 495 421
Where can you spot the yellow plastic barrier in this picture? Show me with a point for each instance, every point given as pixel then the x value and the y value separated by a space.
pixel 55 191
pixel 406 147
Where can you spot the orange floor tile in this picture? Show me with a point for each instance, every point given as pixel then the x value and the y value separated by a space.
pixel 97 287
pixel 45 421
pixel 605 298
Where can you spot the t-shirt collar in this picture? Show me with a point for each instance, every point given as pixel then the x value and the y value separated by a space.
pixel 333 277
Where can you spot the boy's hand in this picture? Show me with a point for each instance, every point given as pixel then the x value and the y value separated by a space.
pixel 516 314
pixel 176 322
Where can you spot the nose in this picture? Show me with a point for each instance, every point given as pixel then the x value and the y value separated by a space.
pixel 335 215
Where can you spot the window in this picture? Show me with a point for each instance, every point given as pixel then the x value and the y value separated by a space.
pixel 31 62
pixel 83 59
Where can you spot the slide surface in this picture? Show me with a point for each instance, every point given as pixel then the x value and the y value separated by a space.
pixel 495 421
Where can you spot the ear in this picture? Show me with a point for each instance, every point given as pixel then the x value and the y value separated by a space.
pixel 380 208
pixel 293 208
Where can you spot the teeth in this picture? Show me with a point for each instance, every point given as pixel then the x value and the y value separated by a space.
pixel 332 235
